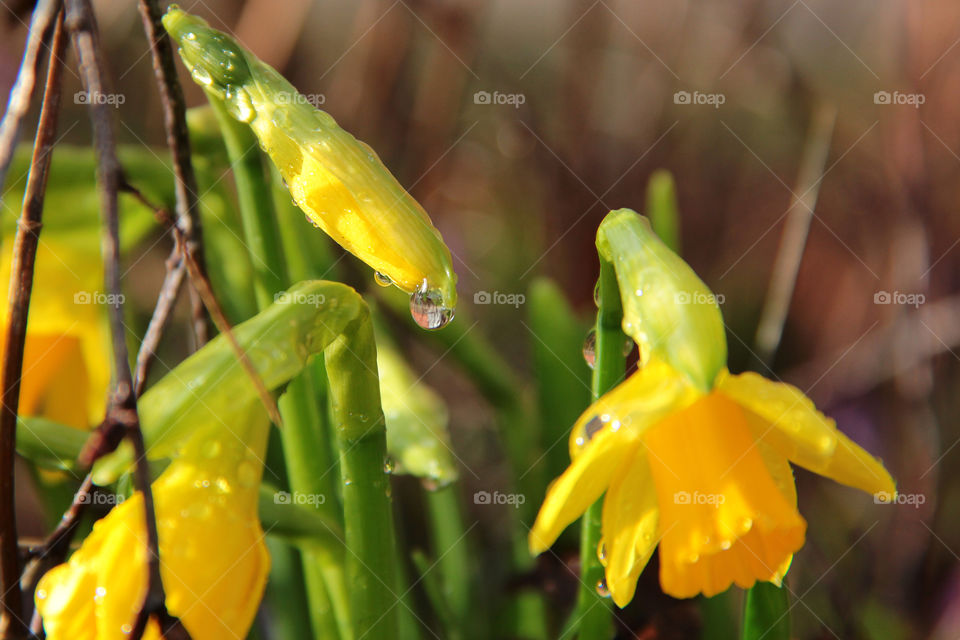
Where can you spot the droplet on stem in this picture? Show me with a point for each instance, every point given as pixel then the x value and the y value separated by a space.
pixel 590 348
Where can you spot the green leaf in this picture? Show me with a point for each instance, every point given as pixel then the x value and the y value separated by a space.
pixel 766 614
pixel 49 444
pixel 416 418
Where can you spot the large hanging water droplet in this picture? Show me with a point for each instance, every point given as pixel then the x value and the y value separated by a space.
pixel 382 279
pixel 590 348
pixel 427 309
pixel 602 589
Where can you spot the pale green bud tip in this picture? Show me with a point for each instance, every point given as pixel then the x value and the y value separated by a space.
pixel 667 309
pixel 214 59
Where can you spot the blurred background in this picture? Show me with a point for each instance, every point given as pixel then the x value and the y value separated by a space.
pixel 808 138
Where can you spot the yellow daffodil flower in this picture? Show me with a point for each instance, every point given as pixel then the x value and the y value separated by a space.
pixel 691 457
pixel 66 365
pixel 339 182
pixel 214 560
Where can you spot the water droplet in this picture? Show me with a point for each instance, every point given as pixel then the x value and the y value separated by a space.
pixel 247 474
pixel 725 544
pixel 99 593
pixel 382 279
pixel 693 558
pixel 602 589
pixel 745 525
pixel 602 552
pixel 627 347
pixel 41 594
pixel 427 309
pixel 126 628
pixel 239 105
pixel 212 449
pixel 202 76
pixel 223 485
pixel 388 465
pixel 592 427
pixel 590 348
pixel 596 294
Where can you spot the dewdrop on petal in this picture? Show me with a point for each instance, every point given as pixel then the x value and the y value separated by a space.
pixel 338 181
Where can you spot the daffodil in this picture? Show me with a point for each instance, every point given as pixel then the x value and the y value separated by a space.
pixel 66 364
pixel 691 457
pixel 213 558
pixel 339 182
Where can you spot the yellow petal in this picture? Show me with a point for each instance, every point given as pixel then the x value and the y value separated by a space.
pixel 636 404
pixel 630 517
pixel 786 409
pixel 580 485
pixel 785 419
pixel 214 561
pixel 723 518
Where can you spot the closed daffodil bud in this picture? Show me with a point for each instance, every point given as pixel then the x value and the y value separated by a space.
pixel 338 181
pixel 667 309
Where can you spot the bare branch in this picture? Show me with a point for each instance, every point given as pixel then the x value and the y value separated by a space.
pixel 21 286
pixel 178 139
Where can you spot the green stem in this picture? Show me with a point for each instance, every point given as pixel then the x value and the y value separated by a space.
pixel 452 552
pixel 304 415
pixel 593 610
pixel 362 444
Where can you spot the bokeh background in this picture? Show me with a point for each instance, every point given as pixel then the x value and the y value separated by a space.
pixel 518 125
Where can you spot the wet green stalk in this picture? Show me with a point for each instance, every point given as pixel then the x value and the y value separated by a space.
pixel 303 416
pixel 593 612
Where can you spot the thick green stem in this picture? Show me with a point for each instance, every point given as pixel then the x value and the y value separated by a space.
pixel 303 406
pixel 594 609
pixel 452 553
pixel 362 444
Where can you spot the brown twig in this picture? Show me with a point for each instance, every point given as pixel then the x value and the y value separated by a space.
pixel 21 286
pixel 166 300
pixel 122 412
pixel 22 92
pixel 178 139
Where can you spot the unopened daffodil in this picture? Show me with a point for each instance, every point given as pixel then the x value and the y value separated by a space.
pixel 213 557
pixel 338 181
pixel 691 457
